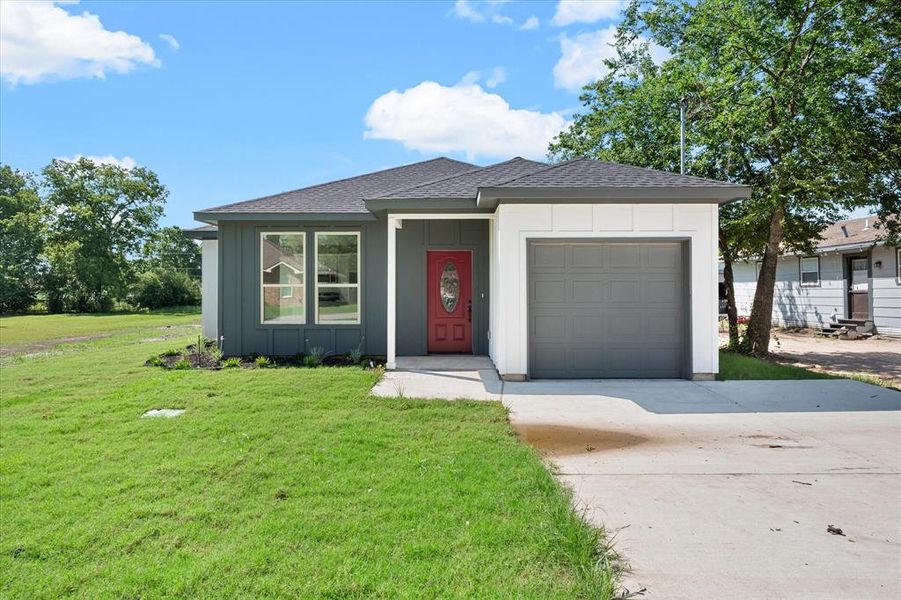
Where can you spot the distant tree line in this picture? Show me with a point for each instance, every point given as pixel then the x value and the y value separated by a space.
pixel 85 237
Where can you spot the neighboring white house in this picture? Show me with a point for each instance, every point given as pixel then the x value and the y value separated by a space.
pixel 852 275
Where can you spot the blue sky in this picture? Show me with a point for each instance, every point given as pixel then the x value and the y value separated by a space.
pixel 245 99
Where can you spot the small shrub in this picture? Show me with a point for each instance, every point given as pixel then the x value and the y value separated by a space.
pixel 155 361
pixel 172 352
pixel 182 364
pixel 216 353
pixel 313 358
pixel 355 355
pixel 160 288
pixel 232 362
pixel 262 362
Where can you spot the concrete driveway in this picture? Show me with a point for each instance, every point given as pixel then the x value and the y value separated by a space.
pixel 726 489
pixel 719 489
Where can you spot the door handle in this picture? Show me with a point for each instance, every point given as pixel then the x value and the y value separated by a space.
pixel 469 311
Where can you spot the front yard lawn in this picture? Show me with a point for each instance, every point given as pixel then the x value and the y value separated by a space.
pixel 738 366
pixel 274 482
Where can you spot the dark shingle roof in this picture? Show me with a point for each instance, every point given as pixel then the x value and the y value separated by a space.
pixel 346 195
pixel 587 173
pixel 850 231
pixel 204 232
pixel 466 185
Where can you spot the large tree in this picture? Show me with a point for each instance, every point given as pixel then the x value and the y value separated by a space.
pixel 101 215
pixel 169 249
pixel 21 240
pixel 797 98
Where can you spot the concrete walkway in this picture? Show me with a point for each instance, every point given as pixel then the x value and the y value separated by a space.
pixel 721 489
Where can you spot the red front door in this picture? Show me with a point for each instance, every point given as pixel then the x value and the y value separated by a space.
pixel 450 301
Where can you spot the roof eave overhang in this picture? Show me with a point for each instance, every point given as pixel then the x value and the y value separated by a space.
pixel 201 235
pixel 421 205
pixel 214 218
pixel 490 197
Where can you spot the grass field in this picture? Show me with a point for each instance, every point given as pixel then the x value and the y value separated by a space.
pixel 274 482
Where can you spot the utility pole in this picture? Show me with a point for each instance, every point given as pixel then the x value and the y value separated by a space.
pixel 682 136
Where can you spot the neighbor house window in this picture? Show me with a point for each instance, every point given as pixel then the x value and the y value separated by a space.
pixel 282 277
pixel 810 271
pixel 337 278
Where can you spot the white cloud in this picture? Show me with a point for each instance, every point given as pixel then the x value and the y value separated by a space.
pixel 497 77
pixel 485 11
pixel 530 23
pixel 582 57
pixel 40 41
pixel 126 162
pixel 433 118
pixel 586 11
pixel 464 10
pixel 170 39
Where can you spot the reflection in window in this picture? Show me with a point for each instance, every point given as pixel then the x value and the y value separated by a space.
pixel 282 266
pixel 337 278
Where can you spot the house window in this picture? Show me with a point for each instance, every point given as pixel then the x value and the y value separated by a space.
pixel 810 271
pixel 282 277
pixel 337 278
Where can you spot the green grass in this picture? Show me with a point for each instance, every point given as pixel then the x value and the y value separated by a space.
pixel 274 482
pixel 30 329
pixel 738 366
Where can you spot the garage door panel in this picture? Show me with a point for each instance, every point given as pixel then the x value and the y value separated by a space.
pixel 590 326
pixel 549 326
pixel 586 256
pixel 613 310
pixel 625 291
pixel 551 256
pixel 668 291
pixel 588 291
pixel 664 256
pixel 623 256
pixel 549 290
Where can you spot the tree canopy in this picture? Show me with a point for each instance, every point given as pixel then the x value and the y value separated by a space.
pixel 21 240
pixel 100 215
pixel 797 98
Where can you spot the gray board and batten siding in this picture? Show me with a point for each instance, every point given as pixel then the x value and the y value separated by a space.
pixel 239 287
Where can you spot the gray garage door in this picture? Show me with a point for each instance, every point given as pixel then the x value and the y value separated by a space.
pixel 606 309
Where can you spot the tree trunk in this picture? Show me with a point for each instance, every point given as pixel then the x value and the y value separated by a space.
pixel 731 309
pixel 762 311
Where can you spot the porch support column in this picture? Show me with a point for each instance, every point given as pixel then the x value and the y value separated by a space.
pixel 391 320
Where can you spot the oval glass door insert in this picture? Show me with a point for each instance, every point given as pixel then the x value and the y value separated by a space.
pixel 449 287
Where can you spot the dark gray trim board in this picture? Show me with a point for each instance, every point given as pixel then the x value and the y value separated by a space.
pixel 213 217
pixel 489 197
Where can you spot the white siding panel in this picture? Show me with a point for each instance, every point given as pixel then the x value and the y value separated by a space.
pixel 886 291
pixel 209 288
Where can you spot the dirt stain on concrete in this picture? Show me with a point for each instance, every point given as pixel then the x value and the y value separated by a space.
pixel 566 440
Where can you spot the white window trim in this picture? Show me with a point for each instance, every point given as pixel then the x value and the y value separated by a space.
pixel 898 266
pixel 801 271
pixel 358 285
pixel 303 316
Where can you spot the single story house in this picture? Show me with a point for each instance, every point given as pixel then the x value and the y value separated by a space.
pixel 581 269
pixel 853 276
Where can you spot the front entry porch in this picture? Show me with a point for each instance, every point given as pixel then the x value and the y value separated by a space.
pixel 444 362
pixel 438 276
